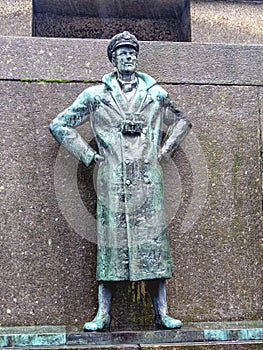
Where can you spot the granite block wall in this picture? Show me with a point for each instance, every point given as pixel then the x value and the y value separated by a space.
pixel 213 185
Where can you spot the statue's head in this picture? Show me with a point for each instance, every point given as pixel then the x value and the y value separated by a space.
pixel 123 52
pixel 122 39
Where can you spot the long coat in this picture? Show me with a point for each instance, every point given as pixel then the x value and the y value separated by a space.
pixel 133 242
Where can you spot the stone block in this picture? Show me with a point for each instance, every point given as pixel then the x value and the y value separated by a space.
pixel 42 258
pixel 227 21
pixel 149 20
pixel 16 17
pixel 221 241
pixel 176 63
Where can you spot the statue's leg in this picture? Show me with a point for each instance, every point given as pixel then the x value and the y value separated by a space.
pixel 102 318
pixel 157 290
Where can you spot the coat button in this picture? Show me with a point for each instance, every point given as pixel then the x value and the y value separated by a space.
pixel 146 161
pixel 147 180
pixel 127 161
pixel 128 182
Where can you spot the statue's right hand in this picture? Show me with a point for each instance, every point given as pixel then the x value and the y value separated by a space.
pixel 98 158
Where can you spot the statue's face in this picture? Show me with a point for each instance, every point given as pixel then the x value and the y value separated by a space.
pixel 125 60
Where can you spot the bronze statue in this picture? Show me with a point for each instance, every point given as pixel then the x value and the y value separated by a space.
pixel 126 113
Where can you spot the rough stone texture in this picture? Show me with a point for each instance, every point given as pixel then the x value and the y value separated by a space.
pixel 150 20
pixel 261 108
pixel 73 59
pixel 217 249
pixel 45 266
pixel 16 17
pixel 227 21
pixel 50 25
pixel 125 8
pixel 211 21
pixel 48 267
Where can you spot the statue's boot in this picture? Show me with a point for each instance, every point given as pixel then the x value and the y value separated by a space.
pixel 102 319
pixel 157 291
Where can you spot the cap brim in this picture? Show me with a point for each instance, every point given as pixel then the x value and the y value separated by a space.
pixel 126 44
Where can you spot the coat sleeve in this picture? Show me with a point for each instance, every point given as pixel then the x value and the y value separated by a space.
pixel 178 128
pixel 63 128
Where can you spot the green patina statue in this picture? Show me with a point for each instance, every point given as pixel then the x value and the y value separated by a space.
pixel 126 113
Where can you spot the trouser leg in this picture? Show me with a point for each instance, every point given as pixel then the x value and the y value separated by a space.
pixel 157 290
pixel 102 318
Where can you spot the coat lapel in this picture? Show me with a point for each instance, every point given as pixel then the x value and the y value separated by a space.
pixel 119 104
pixel 140 99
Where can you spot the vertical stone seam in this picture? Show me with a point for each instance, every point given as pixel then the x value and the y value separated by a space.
pixel 260 146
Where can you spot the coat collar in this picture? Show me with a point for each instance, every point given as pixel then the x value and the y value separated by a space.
pixel 141 98
pixel 110 80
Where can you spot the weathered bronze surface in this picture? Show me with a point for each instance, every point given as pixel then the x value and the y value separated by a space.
pixel 127 114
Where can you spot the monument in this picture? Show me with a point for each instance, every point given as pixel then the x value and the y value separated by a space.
pixel 127 112
pixel 215 227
